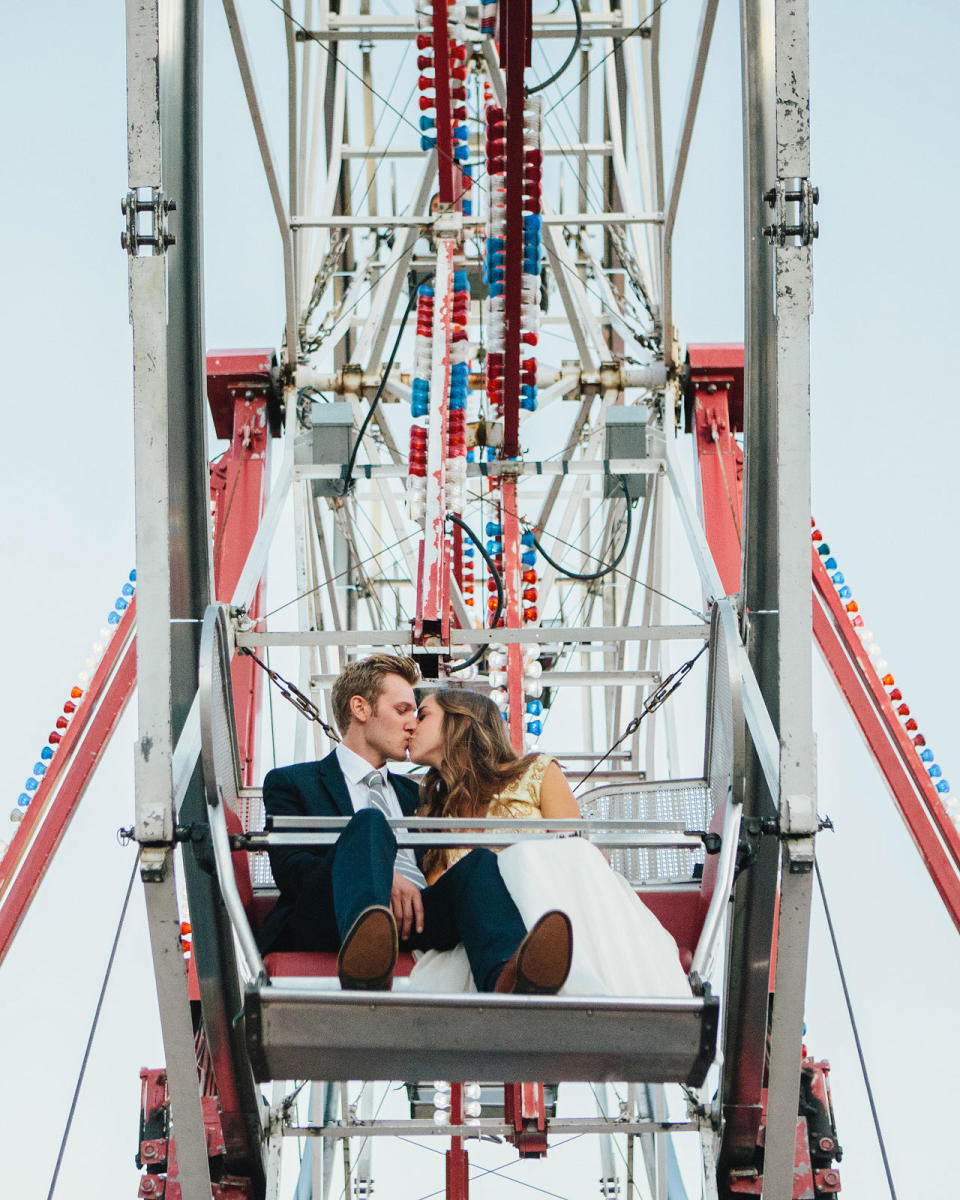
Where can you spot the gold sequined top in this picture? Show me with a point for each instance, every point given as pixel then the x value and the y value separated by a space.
pixel 520 799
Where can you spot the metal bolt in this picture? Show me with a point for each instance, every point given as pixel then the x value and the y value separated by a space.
pixel 826 1143
pixel 147 1186
pixel 148 1150
pixel 831 1178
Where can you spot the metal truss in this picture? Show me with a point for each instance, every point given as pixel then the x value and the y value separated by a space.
pixel 570 182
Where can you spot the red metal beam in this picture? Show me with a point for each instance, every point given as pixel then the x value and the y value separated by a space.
pixel 441 78
pixel 56 806
pixel 714 407
pixel 238 490
pixel 514 32
pixel 918 801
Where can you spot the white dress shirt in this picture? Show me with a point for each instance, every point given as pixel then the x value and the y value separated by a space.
pixel 355 769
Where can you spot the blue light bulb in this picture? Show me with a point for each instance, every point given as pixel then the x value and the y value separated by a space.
pixel 934 772
pixel 534 708
pixel 40 769
pixel 127 589
pixel 47 753
pixel 120 604
pixel 844 593
pixel 830 564
pixel 31 785
pixel 943 786
pixel 493 529
pixel 823 550
pixel 23 800
pixel 926 755
pixel 133 577
pixel 535 727
pixel 526 539
pixel 113 618
pixel 838 578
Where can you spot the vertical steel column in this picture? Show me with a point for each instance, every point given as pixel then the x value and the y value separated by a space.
pixel 798 782
pixel 155 817
pixel 755 897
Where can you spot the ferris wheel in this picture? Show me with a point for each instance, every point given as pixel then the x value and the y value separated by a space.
pixel 475 424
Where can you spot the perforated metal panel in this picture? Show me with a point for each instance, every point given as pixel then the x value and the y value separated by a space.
pixel 226 757
pixel 685 803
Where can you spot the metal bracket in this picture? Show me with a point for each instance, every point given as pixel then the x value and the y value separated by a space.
pixel 448 223
pixel 793 201
pixel 145 210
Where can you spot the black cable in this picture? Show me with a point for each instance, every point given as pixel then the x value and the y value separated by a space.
pixel 617 42
pixel 93 1030
pixel 570 57
pixel 495 574
pixel 587 577
pixel 411 304
pixel 856 1034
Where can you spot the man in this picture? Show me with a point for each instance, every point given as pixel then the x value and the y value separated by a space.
pixel 364 898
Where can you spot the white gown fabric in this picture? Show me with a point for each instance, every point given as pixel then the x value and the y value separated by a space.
pixel 619 946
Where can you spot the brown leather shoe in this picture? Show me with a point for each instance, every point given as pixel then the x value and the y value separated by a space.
pixel 369 952
pixel 542 961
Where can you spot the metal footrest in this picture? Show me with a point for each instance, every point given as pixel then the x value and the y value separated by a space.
pixel 301 1033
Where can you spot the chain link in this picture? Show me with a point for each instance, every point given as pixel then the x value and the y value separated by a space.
pixel 331 262
pixel 289 691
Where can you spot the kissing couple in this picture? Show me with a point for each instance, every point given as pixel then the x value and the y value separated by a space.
pixel 539 916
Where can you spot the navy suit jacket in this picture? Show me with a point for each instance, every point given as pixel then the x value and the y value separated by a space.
pixel 313 789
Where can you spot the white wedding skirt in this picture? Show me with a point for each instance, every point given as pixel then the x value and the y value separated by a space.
pixel 619 946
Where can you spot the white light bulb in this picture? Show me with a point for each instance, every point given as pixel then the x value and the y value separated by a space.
pixel 472 1108
pixel 441 1099
pixel 496 660
pixel 83 678
pixel 472 1091
pixel 441 1117
pixel 532 670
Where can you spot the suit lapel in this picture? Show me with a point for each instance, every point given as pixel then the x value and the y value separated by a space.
pixel 331 778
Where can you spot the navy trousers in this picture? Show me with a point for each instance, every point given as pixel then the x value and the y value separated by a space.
pixel 469 903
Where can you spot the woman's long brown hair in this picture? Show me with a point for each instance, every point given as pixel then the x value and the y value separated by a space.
pixel 477 762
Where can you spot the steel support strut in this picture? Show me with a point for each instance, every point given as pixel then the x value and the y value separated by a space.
pixel 798 806
pixel 154 784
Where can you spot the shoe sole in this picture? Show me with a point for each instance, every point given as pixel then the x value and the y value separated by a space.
pixel 369 952
pixel 544 962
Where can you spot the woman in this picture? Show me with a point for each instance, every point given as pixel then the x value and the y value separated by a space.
pixel 619 947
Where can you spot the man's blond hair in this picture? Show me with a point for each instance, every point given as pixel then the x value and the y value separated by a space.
pixel 366 678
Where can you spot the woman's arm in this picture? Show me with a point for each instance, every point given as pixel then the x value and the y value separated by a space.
pixel 556 799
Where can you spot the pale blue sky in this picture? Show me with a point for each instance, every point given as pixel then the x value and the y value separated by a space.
pixel 885 431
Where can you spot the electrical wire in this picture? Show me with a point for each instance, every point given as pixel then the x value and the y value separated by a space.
pixel 93 1030
pixel 612 566
pixel 616 43
pixel 411 304
pixel 856 1033
pixel 647 586
pixel 570 57
pixel 495 575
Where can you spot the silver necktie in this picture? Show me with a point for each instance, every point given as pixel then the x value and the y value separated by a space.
pixel 406 863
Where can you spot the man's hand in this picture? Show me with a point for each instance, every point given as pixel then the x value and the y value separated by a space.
pixel 407 906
